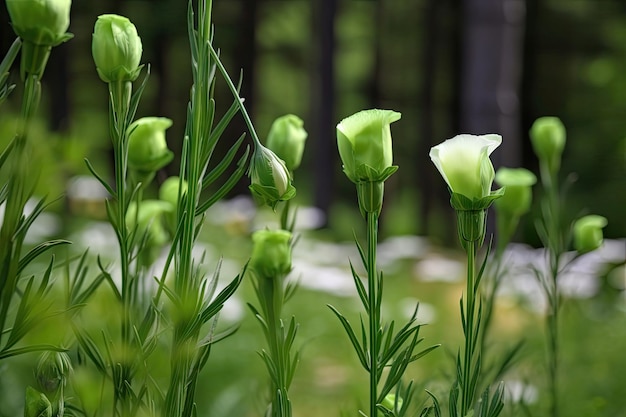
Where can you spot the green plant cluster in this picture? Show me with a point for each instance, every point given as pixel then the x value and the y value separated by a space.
pixel 133 337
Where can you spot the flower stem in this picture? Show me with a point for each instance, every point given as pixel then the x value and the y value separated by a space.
pixel 374 298
pixel 120 95
pixel 272 299
pixel 235 92
pixel 555 247
pixel 468 388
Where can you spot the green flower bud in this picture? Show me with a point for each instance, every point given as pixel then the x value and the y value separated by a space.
pixel 146 221
pixel 36 404
pixel 514 203
pixel 147 148
pixel 52 372
pixel 547 136
pixel 169 193
pixel 286 139
pixel 389 402
pixel 40 22
pixel 170 189
pixel 271 253
pixel 270 179
pixel 588 233
pixel 517 198
pixel 364 143
pixel 116 49
pixel 464 164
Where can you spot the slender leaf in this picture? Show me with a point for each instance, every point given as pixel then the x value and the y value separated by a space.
pixel 225 162
pixel 7 353
pixel 227 186
pixel 38 250
pixel 357 347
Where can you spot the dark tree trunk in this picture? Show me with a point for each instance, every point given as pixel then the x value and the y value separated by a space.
pixel 430 41
pixel 244 60
pixel 57 82
pixel 323 97
pixel 492 49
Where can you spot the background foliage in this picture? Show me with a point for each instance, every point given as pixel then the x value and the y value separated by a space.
pixel 326 59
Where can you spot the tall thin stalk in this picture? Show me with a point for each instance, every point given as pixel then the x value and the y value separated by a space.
pixel 120 94
pixel 555 246
pixel 471 365
pixel 374 294
pixel 192 291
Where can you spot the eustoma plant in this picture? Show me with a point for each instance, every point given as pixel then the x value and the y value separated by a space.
pixel 40 26
pixel 270 264
pixel 189 303
pixel 364 142
pixel 464 164
pixel 116 50
pixel 271 257
pixel 548 138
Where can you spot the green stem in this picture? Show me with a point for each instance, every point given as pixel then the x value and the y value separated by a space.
pixel 186 286
pixel 272 292
pixel 18 193
pixel 468 391
pixel 555 246
pixel 374 297
pixel 285 217
pixel 235 93
pixel 120 95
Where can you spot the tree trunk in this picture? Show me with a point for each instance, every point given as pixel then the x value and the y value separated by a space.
pixel 322 107
pixel 492 49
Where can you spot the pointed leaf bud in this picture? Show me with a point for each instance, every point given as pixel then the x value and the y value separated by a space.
pixel 270 179
pixel 588 233
pixel 286 139
pixel 52 372
pixel 271 253
pixel 116 49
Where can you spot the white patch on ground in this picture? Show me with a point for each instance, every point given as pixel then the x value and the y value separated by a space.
pixel 437 268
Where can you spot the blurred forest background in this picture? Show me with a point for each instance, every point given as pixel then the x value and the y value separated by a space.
pixel 450 66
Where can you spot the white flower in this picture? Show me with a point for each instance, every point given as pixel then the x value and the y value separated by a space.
pixel 464 163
